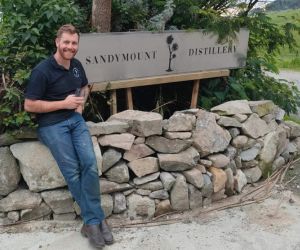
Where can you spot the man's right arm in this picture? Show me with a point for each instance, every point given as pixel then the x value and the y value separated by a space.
pixel 40 106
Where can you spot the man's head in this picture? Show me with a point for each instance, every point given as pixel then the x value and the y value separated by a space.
pixel 67 39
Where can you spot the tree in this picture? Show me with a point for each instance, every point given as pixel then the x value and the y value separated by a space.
pixel 101 15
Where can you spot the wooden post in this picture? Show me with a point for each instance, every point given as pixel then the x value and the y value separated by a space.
pixel 113 101
pixel 194 100
pixel 129 98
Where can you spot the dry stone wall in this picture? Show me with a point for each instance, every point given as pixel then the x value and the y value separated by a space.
pixel 149 166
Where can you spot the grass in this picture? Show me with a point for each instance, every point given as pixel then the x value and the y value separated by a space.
pixel 288 59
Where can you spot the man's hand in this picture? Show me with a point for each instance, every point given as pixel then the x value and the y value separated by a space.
pixel 73 102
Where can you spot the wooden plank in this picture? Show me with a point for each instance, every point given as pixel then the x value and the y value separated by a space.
pixel 129 98
pixel 158 80
pixel 113 102
pixel 194 100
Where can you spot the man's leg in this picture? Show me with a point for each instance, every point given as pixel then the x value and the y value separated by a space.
pixel 58 138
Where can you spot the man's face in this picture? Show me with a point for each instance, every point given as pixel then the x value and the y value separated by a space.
pixel 67 45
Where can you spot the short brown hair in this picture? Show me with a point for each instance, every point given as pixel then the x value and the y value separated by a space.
pixel 67 28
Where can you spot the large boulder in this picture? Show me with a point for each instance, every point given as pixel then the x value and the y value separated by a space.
pixel 208 136
pixel 140 123
pixel 37 165
pixel 9 172
pixel 233 108
pixel 179 162
pixel 164 145
pixel 255 127
pixel 20 199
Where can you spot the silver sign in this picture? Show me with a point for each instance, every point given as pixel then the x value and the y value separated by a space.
pixel 121 56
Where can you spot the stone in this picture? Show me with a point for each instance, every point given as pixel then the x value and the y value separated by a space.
pixel 278 113
pixel 143 192
pixel 64 217
pixel 122 141
pixel 219 160
pixel 140 206
pixel 106 128
pixel 167 180
pixel 107 187
pixel 249 164
pixel 38 212
pixel 139 140
pixel 152 186
pixel 278 163
pixel 232 166
pixel 240 180
pixel 110 157
pixel 20 199
pixel 159 194
pixel 234 132
pixel 60 201
pixel 251 153
pixel 233 108
pixel 164 145
pixel 219 178
pixel 229 185
pixel 206 163
pixel 207 202
pixel 201 168
pixel 37 165
pixel 252 174
pixel 274 145
pixel 240 117
pixel 229 122
pixel 178 135
pixel 13 216
pixel 145 179
pixel 194 176
pixel 262 108
pixel 231 152
pixel 295 128
pixel 179 162
pixel 163 207
pixel 180 122
pixel 144 166
pixel 107 204
pixel 238 162
pixel 97 154
pixel 179 194
pixel 255 127
pixel 195 197
pixel 9 172
pixel 119 201
pixel 239 141
pixel 207 188
pixel 137 151
pixel 208 136
pixel 220 195
pixel 118 173
pixel 268 118
pixel 140 123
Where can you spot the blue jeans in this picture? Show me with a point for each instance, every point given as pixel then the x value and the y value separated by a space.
pixel 71 146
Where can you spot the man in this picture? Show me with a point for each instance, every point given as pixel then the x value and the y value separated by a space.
pixel 51 94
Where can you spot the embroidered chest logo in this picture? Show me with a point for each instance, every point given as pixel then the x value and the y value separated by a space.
pixel 76 72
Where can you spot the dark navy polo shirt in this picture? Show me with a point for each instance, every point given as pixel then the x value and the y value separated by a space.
pixel 50 81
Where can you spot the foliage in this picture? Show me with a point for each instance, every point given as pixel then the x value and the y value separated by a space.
pixel 27 36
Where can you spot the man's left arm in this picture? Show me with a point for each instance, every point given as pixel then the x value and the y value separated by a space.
pixel 84 92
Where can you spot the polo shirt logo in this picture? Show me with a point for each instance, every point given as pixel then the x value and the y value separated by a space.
pixel 76 72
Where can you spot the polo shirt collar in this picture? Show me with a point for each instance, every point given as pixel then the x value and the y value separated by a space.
pixel 57 66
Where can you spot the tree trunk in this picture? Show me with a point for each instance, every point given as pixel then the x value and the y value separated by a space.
pixel 101 15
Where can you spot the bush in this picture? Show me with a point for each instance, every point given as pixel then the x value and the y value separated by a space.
pixel 27 32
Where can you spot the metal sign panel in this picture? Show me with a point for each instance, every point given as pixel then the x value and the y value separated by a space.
pixel 121 56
